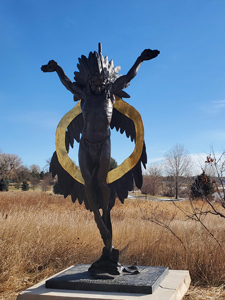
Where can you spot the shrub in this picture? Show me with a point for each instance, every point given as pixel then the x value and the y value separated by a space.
pixel 4 185
pixel 25 186
pixel 202 186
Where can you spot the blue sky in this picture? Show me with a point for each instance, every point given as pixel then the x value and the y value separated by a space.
pixel 180 94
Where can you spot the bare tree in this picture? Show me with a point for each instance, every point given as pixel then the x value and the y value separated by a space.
pixel 168 186
pixel 217 207
pixel 47 166
pixel 34 182
pixel 23 173
pixel 46 182
pixel 152 181
pixel 9 165
pixel 35 169
pixel 178 164
pixel 211 205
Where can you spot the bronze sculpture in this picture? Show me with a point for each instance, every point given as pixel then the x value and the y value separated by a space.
pixel 99 87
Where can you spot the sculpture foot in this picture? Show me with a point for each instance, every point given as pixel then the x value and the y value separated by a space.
pixel 108 267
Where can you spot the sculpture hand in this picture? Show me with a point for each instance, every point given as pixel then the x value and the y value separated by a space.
pixel 148 54
pixel 50 67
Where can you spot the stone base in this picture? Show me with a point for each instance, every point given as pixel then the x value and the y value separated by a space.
pixel 173 287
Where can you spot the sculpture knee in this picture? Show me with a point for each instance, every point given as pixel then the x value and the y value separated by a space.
pixel 91 195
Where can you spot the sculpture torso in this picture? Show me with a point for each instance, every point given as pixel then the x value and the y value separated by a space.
pixel 97 109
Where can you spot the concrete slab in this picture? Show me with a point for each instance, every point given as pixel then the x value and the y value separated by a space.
pixel 173 287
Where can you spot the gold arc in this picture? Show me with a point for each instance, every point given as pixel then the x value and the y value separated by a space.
pixel 125 166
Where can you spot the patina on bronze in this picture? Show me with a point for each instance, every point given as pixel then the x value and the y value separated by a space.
pixel 99 88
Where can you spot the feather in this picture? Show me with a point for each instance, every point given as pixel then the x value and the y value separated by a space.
pixel 122 94
pixel 138 175
pixel 144 156
pixel 68 185
pixel 123 123
pixel 75 128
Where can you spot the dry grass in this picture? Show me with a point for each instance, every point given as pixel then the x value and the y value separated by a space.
pixel 41 234
pixel 205 293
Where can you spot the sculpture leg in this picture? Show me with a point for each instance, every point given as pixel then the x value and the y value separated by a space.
pixel 89 169
pixel 104 192
pixel 94 164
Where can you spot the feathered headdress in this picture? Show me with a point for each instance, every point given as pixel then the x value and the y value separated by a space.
pixel 95 66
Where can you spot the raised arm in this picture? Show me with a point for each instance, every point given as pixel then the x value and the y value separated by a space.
pixel 123 81
pixel 73 87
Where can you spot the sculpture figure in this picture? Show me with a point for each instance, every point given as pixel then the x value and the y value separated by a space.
pixel 98 86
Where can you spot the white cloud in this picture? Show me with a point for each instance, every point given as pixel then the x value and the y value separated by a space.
pixel 215 107
pixel 198 160
pixel 156 160
pixel 219 104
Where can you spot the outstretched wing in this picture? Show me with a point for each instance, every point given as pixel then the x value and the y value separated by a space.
pixel 129 172
pixel 68 184
pixel 121 186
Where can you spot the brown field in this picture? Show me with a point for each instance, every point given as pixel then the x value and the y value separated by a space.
pixel 41 234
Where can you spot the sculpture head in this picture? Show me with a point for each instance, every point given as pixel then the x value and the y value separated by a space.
pixel 98 84
pixel 96 71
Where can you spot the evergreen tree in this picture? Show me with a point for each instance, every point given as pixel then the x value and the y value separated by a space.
pixel 112 164
pixel 4 185
pixel 202 186
pixel 25 186
pixel 42 175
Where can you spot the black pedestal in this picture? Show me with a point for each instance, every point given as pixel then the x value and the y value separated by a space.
pixel 78 278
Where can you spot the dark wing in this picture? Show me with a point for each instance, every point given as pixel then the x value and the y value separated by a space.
pixel 121 186
pixel 67 183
